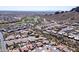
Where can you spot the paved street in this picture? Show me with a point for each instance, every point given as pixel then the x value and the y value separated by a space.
pixel 3 47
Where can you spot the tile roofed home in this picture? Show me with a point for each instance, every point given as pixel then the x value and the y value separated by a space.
pixel 24 49
pixel 17 36
pixel 15 50
pixel 71 35
pixel 9 43
pixel 10 37
pixel 76 36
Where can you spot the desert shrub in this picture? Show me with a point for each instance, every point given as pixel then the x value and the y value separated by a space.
pixel 6 34
pixel 15 45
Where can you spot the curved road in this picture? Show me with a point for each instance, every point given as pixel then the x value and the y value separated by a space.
pixel 3 46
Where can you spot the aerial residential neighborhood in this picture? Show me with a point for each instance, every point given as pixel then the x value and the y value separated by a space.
pixel 39 31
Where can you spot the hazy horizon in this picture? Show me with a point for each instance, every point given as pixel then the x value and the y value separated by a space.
pixel 36 8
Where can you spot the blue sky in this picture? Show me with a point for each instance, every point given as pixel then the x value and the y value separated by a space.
pixel 35 8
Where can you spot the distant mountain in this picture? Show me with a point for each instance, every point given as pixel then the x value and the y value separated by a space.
pixel 75 9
